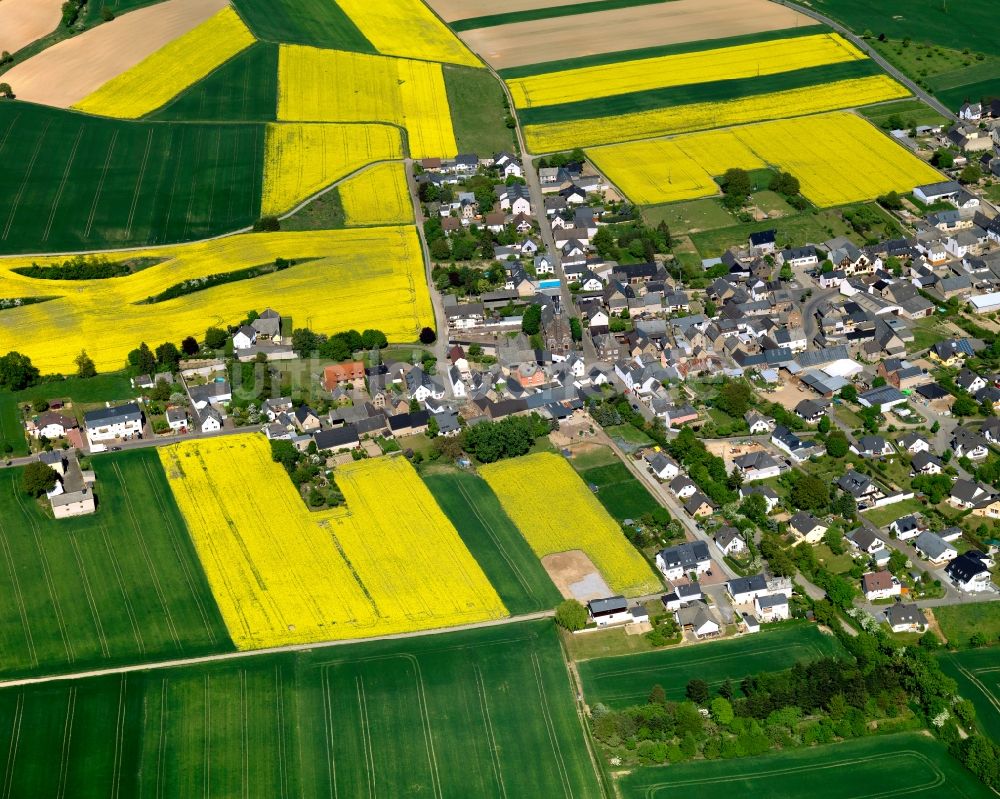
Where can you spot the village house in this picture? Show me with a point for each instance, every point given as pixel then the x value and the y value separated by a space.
pixel 608 611
pixel 351 373
pixel 51 425
pixel 681 595
pixel 969 572
pixel 697 618
pixel 746 589
pixel 757 465
pixel 807 528
pixel 934 548
pixel 880 585
pixel 663 466
pixel 771 608
pixel 123 422
pixel 730 541
pixel 678 561
pixel 758 423
pixel 905 618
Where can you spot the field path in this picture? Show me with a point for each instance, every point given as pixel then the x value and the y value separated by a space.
pixel 169 664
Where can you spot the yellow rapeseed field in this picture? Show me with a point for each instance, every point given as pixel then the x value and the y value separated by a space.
pixel 377 196
pixel 360 278
pixel 723 63
pixel 556 512
pixel 838 158
pixel 166 73
pixel 390 562
pixel 300 160
pixel 407 28
pixel 317 85
pixel 551 137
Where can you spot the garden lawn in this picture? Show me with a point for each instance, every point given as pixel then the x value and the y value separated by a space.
pixel 978 674
pixel 476 100
pixel 494 541
pixel 910 763
pixel 11 428
pixel 807 226
pixel 484 713
pixel 959 622
pixel 689 216
pixel 882 516
pixel 912 112
pixel 244 89
pixel 629 433
pixel 622 681
pixel 118 586
pixel 620 491
pixel 79 183
pixel 320 23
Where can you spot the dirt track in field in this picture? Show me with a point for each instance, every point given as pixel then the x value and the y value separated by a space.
pixel 450 10
pixel 23 21
pixel 67 72
pixel 627 29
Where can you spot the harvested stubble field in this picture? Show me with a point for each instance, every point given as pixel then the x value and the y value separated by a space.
pixel 167 72
pixel 68 71
pixel 74 182
pixel 848 93
pixel 484 713
pixel 354 277
pixel 494 541
pixel 389 562
pixel 377 196
pixel 700 66
pixel 120 586
pixel 622 681
pixel 332 86
pixel 23 21
pixel 521 43
pixel 301 160
pixel 556 512
pixel 904 764
pixel 813 149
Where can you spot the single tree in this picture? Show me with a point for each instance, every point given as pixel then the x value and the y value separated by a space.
pixel 571 615
pixel 17 372
pixel 84 365
pixel 6 91
pixel 37 479
pixel 189 346
pixel 215 338
pixel 427 335
pixel 697 691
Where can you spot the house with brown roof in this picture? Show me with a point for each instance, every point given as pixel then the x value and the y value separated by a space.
pixel 338 374
pixel 880 585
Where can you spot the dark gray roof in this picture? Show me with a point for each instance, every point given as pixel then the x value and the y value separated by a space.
pixel 612 604
pixel 905 614
pixel 741 585
pixel 123 413
pixel 685 556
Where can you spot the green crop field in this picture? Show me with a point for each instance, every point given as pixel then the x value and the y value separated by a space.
pixel 121 585
pixel 904 764
pixel 320 23
pixel 533 14
pixel 619 491
pixel 74 182
pixel 494 541
pixel 93 11
pixel 713 91
pixel 977 672
pixel 484 713
pixel 960 622
pixel 477 111
pixel 599 59
pixel 968 24
pixel 627 680
pixel 244 89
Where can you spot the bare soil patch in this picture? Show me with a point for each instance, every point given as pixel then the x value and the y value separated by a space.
pixel 790 394
pixel 523 43
pixel 576 576
pixel 23 21
pixel 451 10
pixel 72 69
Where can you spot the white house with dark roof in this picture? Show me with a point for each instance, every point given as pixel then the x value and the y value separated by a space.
pixel 683 487
pixel 807 527
pixel 747 589
pixel 663 466
pixel 905 618
pixel 969 572
pixel 677 561
pixel 608 611
pixel 757 465
pixel 123 422
pixel 769 494
pixel 934 548
pixel 730 541
pixel 771 608
pixel 906 527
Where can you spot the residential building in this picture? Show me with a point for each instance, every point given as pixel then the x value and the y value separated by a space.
pixel 699 619
pixel 108 424
pixel 747 589
pixel 934 548
pixel 771 608
pixel 807 528
pixel 969 572
pixel 905 618
pixel 730 541
pixel 757 465
pixel 611 610
pixel 677 561
pixel 880 585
